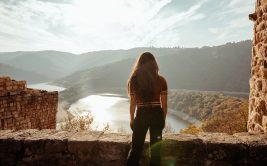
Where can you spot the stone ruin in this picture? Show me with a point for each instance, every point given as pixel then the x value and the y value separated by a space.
pixel 25 108
pixel 257 121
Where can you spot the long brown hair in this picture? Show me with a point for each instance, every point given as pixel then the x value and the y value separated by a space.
pixel 144 76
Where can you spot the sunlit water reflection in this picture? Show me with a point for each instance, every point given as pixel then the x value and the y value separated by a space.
pixel 46 86
pixel 113 109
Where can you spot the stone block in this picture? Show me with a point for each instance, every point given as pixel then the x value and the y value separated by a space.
pixel 264 3
pixel 264 122
pixel 259 85
pixel 260 27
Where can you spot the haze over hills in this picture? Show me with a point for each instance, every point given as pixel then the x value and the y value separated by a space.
pixel 19 74
pixel 218 68
pixel 100 58
pixel 51 64
pixel 55 64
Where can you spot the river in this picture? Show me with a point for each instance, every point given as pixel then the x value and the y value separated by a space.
pixel 111 109
pixel 46 86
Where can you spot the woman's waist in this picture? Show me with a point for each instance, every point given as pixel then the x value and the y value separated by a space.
pixel 143 103
pixel 149 110
pixel 148 106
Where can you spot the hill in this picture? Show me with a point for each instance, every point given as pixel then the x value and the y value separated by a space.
pixel 19 74
pixel 217 112
pixel 191 65
pixel 52 64
pixel 56 64
pixel 218 68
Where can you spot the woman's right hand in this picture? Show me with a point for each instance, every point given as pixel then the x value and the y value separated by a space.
pixel 164 121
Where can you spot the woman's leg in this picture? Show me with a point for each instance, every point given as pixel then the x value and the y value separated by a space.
pixel 138 138
pixel 156 127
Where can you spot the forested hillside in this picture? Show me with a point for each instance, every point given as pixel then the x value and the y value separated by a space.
pixel 218 112
pixel 219 68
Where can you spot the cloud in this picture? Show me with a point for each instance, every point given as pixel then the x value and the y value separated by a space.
pixel 58 1
pixel 236 7
pixel 27 26
pixel 233 23
pixel 85 25
pixel 238 3
pixel 14 2
pixel 160 31
pixel 232 26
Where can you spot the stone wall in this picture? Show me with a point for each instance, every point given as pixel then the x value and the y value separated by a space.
pixel 258 83
pixel 54 147
pixel 24 108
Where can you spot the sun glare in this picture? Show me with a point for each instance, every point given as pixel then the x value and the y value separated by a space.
pixel 99 106
pixel 97 14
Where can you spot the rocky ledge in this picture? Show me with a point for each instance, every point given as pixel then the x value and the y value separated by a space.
pixel 55 147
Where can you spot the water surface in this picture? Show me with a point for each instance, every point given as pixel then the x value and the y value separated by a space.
pixel 107 108
pixel 46 86
pixel 114 110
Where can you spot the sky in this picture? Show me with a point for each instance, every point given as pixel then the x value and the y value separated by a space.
pixel 80 26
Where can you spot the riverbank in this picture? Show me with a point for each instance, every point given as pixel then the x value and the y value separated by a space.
pixel 183 105
pixel 113 109
pixel 185 117
pixel 66 103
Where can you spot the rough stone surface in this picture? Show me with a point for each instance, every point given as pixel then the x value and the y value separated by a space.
pixel 257 121
pixel 55 147
pixel 24 108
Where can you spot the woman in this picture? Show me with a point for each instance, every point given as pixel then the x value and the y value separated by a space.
pixel 148 92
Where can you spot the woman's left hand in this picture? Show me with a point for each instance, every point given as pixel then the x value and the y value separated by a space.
pixel 131 124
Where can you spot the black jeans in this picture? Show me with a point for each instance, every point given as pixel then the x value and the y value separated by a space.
pixel 147 118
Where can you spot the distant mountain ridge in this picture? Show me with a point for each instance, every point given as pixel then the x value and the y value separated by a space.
pixel 218 68
pixel 56 64
pixel 51 64
pixel 19 74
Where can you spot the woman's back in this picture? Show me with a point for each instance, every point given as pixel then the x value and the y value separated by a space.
pixel 160 89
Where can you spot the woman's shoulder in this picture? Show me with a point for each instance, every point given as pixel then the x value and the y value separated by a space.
pixel 162 78
pixel 164 85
